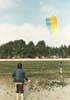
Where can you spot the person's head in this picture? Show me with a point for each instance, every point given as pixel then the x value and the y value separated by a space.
pixel 19 66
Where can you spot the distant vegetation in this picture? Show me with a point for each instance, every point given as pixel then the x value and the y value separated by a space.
pixel 19 49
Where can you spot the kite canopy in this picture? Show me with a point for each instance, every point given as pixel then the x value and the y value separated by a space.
pixel 51 23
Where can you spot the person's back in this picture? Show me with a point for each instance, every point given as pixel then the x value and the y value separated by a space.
pixel 19 75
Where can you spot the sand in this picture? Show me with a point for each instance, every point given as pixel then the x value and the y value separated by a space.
pixel 36 92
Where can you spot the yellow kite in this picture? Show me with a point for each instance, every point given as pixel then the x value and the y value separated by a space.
pixel 52 24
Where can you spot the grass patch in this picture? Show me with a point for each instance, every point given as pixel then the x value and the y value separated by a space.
pixel 36 69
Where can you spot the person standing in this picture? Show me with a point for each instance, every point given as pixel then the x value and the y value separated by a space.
pixel 19 77
pixel 61 67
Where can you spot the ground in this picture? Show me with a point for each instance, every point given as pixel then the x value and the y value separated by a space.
pixel 53 90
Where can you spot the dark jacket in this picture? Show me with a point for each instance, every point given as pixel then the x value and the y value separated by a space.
pixel 19 75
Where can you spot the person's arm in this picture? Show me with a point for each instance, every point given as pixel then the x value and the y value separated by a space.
pixel 26 78
pixel 13 75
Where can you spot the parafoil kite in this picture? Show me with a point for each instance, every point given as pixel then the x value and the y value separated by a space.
pixel 52 24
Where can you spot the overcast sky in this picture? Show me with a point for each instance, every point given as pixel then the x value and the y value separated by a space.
pixel 25 19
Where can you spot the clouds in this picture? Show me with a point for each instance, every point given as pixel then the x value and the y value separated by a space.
pixel 6 4
pixel 3 3
pixel 26 19
pixel 10 11
pixel 29 32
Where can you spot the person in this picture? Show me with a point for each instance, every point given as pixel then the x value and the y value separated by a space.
pixel 19 77
pixel 61 67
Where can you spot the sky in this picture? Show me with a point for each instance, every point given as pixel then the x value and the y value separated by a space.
pixel 25 19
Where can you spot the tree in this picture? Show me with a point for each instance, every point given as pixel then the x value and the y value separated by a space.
pixel 68 51
pixel 19 48
pixel 62 51
pixel 30 50
pixel 41 49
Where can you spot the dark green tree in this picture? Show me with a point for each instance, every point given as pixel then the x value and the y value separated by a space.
pixel 30 50
pixel 19 48
pixel 41 49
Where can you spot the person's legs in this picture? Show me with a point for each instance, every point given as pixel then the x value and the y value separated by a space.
pixel 21 91
pixel 17 91
pixel 61 71
pixel 21 88
pixel 17 88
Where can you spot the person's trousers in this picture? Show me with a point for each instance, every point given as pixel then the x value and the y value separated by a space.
pixel 19 88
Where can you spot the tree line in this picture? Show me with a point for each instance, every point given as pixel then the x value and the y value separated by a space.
pixel 19 49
